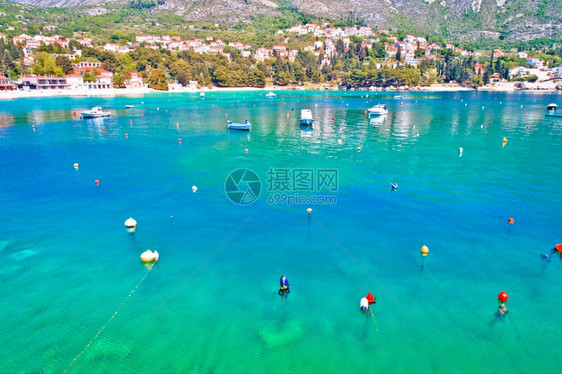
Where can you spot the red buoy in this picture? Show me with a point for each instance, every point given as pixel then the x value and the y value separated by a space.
pixel 370 297
pixel 131 121
pixel 179 140
pixel 527 127
pixel 558 247
pixel 73 113
pixel 97 182
pixel 246 150
pixel 510 220
pixel 502 296
pixel 126 135
pixel 333 118
pixel 142 114
pixel 103 130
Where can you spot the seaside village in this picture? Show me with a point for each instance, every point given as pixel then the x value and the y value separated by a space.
pixel 89 75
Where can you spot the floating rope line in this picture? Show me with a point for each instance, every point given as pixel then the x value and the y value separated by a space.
pixel 361 266
pixel 108 321
pixel 190 276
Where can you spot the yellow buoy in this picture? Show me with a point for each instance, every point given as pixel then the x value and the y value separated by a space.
pixel 76 166
pixel 424 250
pixel 358 149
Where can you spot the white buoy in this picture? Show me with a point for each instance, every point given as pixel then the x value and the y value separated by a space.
pixel 130 222
pixel 149 256
pixel 460 151
pixel 340 141
pixel 194 189
pixel 76 166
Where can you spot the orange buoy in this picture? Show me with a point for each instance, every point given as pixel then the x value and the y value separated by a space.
pixel 510 221
pixel 103 130
pixel 309 210
pixel 142 114
pixel 219 109
pixel 97 182
pixel 558 247
pixel 179 140
pixel 527 127
pixel 126 135
pixel 424 250
pixel 246 150
pixel 76 165
pixel 131 121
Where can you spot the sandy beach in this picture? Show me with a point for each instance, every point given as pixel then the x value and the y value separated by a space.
pixel 12 95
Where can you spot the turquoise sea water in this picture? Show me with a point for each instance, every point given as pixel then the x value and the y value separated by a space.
pixel 210 305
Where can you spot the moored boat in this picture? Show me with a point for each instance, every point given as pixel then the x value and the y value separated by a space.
pixel 271 95
pixel 551 111
pixel 95 112
pixel 378 110
pixel 245 126
pixel 306 117
pixel 202 95
pixel 129 106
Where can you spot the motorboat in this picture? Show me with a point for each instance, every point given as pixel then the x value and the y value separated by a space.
pixel 271 95
pixel 245 126
pixel 551 111
pixel 129 106
pixel 398 97
pixel 306 117
pixel 95 112
pixel 378 110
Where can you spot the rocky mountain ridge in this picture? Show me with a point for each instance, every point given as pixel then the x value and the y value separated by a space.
pixel 458 19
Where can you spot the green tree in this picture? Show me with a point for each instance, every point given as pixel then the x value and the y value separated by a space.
pixel 65 64
pixel 399 54
pixel 157 80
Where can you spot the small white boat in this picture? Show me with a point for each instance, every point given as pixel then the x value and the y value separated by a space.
pixel 306 117
pixel 398 97
pixel 129 106
pixel 551 111
pixel 246 126
pixel 95 112
pixel 378 110
pixel 271 95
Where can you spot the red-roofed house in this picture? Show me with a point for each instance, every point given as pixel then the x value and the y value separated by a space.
pixel 5 84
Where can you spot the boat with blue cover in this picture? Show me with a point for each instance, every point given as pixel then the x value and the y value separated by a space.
pixel 245 126
pixel 306 117
pixel 551 111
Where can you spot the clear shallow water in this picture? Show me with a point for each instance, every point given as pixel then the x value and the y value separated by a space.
pixel 210 304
